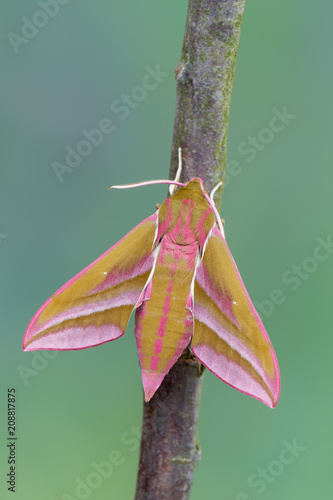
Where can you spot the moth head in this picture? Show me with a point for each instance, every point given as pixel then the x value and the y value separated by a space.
pixel 194 188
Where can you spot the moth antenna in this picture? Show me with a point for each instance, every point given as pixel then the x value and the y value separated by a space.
pixel 213 191
pixel 147 183
pixel 178 173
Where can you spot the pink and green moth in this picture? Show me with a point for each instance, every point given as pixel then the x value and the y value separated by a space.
pixel 175 269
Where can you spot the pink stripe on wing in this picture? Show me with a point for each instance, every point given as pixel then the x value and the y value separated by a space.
pixel 234 375
pixel 152 218
pixel 256 315
pixel 127 298
pixel 262 328
pixel 76 338
pixel 154 363
pixel 116 277
pixel 203 315
pixel 162 326
pixel 166 307
pixel 223 301
pixel 140 313
pixel 202 234
pixel 158 346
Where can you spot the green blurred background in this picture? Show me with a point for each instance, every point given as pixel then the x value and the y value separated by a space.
pixel 77 408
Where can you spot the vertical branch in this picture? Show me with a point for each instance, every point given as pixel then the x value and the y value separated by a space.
pixel 169 444
pixel 204 77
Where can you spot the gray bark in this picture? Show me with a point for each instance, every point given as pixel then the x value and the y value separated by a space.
pixel 204 77
pixel 169 444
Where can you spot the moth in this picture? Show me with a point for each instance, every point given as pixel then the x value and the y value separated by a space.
pixel 176 271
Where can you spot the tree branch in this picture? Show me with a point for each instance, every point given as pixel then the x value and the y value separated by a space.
pixel 169 444
pixel 204 77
